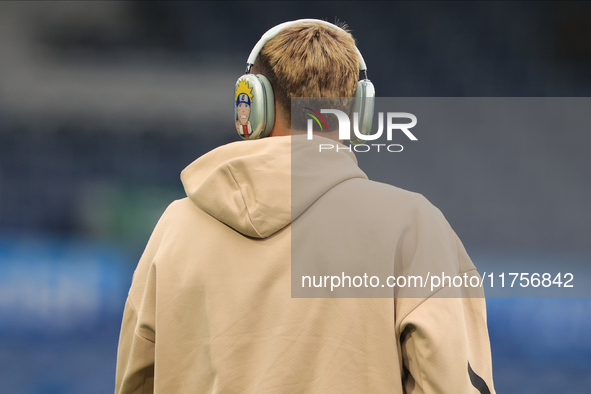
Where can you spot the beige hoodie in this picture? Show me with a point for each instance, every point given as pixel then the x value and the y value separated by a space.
pixel 210 309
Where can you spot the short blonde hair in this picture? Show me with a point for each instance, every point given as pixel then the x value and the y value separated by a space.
pixel 310 59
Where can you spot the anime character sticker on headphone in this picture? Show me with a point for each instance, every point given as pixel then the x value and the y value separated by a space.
pixel 243 102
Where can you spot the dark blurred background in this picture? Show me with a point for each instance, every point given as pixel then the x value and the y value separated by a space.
pixel 102 104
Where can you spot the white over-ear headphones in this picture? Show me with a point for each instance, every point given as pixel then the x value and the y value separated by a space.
pixel 254 102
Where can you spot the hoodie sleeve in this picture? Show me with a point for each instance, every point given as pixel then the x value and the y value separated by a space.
pixel 445 347
pixel 135 356
pixel 443 336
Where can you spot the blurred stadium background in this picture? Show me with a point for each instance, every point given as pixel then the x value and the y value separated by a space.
pixel 102 104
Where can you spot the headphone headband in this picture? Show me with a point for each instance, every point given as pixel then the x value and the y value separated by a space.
pixel 275 30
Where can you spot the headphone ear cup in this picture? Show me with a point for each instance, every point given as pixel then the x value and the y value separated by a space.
pixel 269 105
pixel 254 106
pixel 363 106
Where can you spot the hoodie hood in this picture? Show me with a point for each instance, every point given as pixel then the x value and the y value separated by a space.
pixel 258 187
